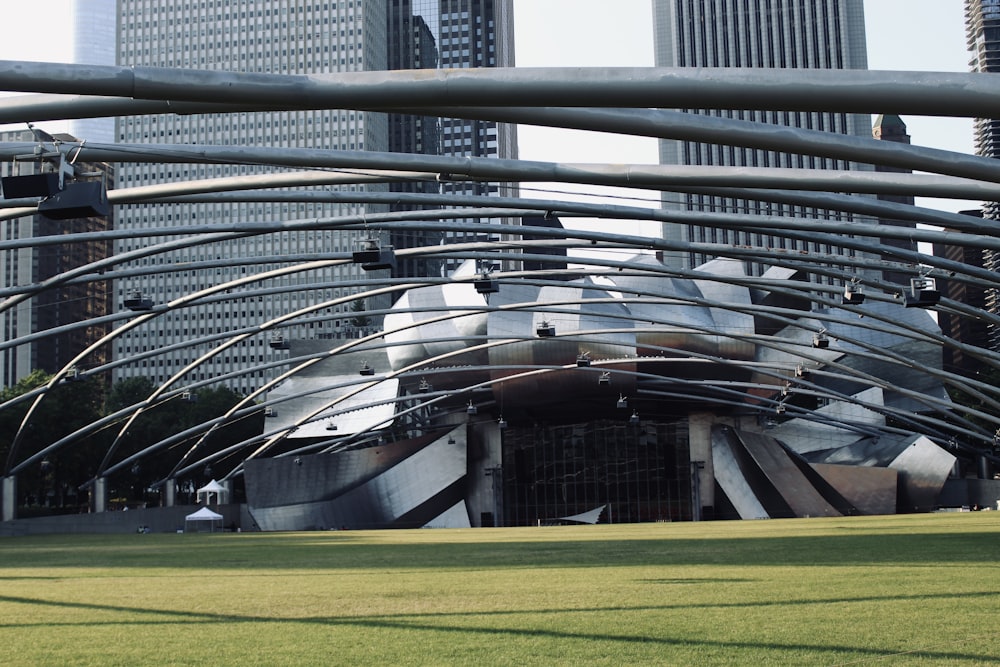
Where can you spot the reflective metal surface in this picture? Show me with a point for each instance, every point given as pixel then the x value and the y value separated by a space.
pixel 861 420
pixel 869 490
pixel 923 468
pixel 730 477
pixel 407 484
pixel 640 333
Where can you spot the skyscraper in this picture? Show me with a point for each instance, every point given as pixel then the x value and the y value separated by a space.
pixel 966 330
pixel 93 44
pixel 982 27
pixel 890 127
pixel 71 303
pixel 826 34
pixel 448 33
pixel 287 37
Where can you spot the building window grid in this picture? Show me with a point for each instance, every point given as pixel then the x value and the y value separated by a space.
pixel 216 49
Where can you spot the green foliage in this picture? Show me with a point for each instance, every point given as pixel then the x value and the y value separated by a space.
pixel 987 375
pixel 53 482
pixel 913 590
pixel 128 391
pixel 66 408
pixel 168 417
pixel 359 320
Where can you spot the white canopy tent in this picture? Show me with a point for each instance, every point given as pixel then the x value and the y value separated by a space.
pixel 201 517
pixel 219 490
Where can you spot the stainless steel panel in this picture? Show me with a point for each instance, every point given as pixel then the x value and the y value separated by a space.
pixel 407 344
pixel 559 350
pixel 918 354
pixel 787 478
pixel 871 491
pixel 424 341
pixel 923 468
pixel 682 325
pixel 400 490
pixel 804 435
pixel 356 490
pixel 871 451
pixel 456 516
pixel 730 477
pixel 729 321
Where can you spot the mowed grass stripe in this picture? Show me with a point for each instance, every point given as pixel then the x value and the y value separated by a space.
pixel 920 589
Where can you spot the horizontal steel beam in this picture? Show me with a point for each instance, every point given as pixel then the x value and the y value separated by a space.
pixel 655 123
pixel 656 177
pixel 850 91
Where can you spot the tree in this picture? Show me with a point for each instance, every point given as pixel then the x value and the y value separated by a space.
pixel 360 321
pixel 128 391
pixel 69 406
pixel 65 408
pixel 168 417
pixel 987 375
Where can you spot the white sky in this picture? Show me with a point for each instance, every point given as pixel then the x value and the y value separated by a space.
pixel 902 35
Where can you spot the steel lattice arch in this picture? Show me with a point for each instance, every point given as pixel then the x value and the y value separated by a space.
pixel 545 372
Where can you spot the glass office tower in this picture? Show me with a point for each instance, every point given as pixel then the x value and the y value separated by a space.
pixel 823 34
pixel 286 37
pixel 982 28
pixel 429 34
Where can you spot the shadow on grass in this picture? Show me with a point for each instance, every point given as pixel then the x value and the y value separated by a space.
pixel 421 622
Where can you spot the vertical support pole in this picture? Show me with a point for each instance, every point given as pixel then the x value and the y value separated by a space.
pixel 496 477
pixel 8 498
pixel 700 451
pixel 170 492
pixel 99 498
pixel 496 447
pixel 696 468
pixel 484 446
pixel 984 468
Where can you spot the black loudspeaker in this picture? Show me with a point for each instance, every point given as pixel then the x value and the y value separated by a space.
pixel 365 256
pixel 922 298
pixel 486 286
pixel 32 185
pixel 384 258
pixel 86 199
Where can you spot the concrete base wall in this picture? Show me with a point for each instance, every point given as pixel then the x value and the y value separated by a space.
pixel 157 519
pixel 971 492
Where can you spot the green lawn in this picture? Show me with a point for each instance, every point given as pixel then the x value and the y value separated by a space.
pixel 922 589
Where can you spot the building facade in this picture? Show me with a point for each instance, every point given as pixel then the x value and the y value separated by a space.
pixel 636 430
pixel 982 27
pixel 966 330
pixel 822 34
pixel 429 34
pixel 890 127
pixel 67 304
pixel 287 37
pixel 93 44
